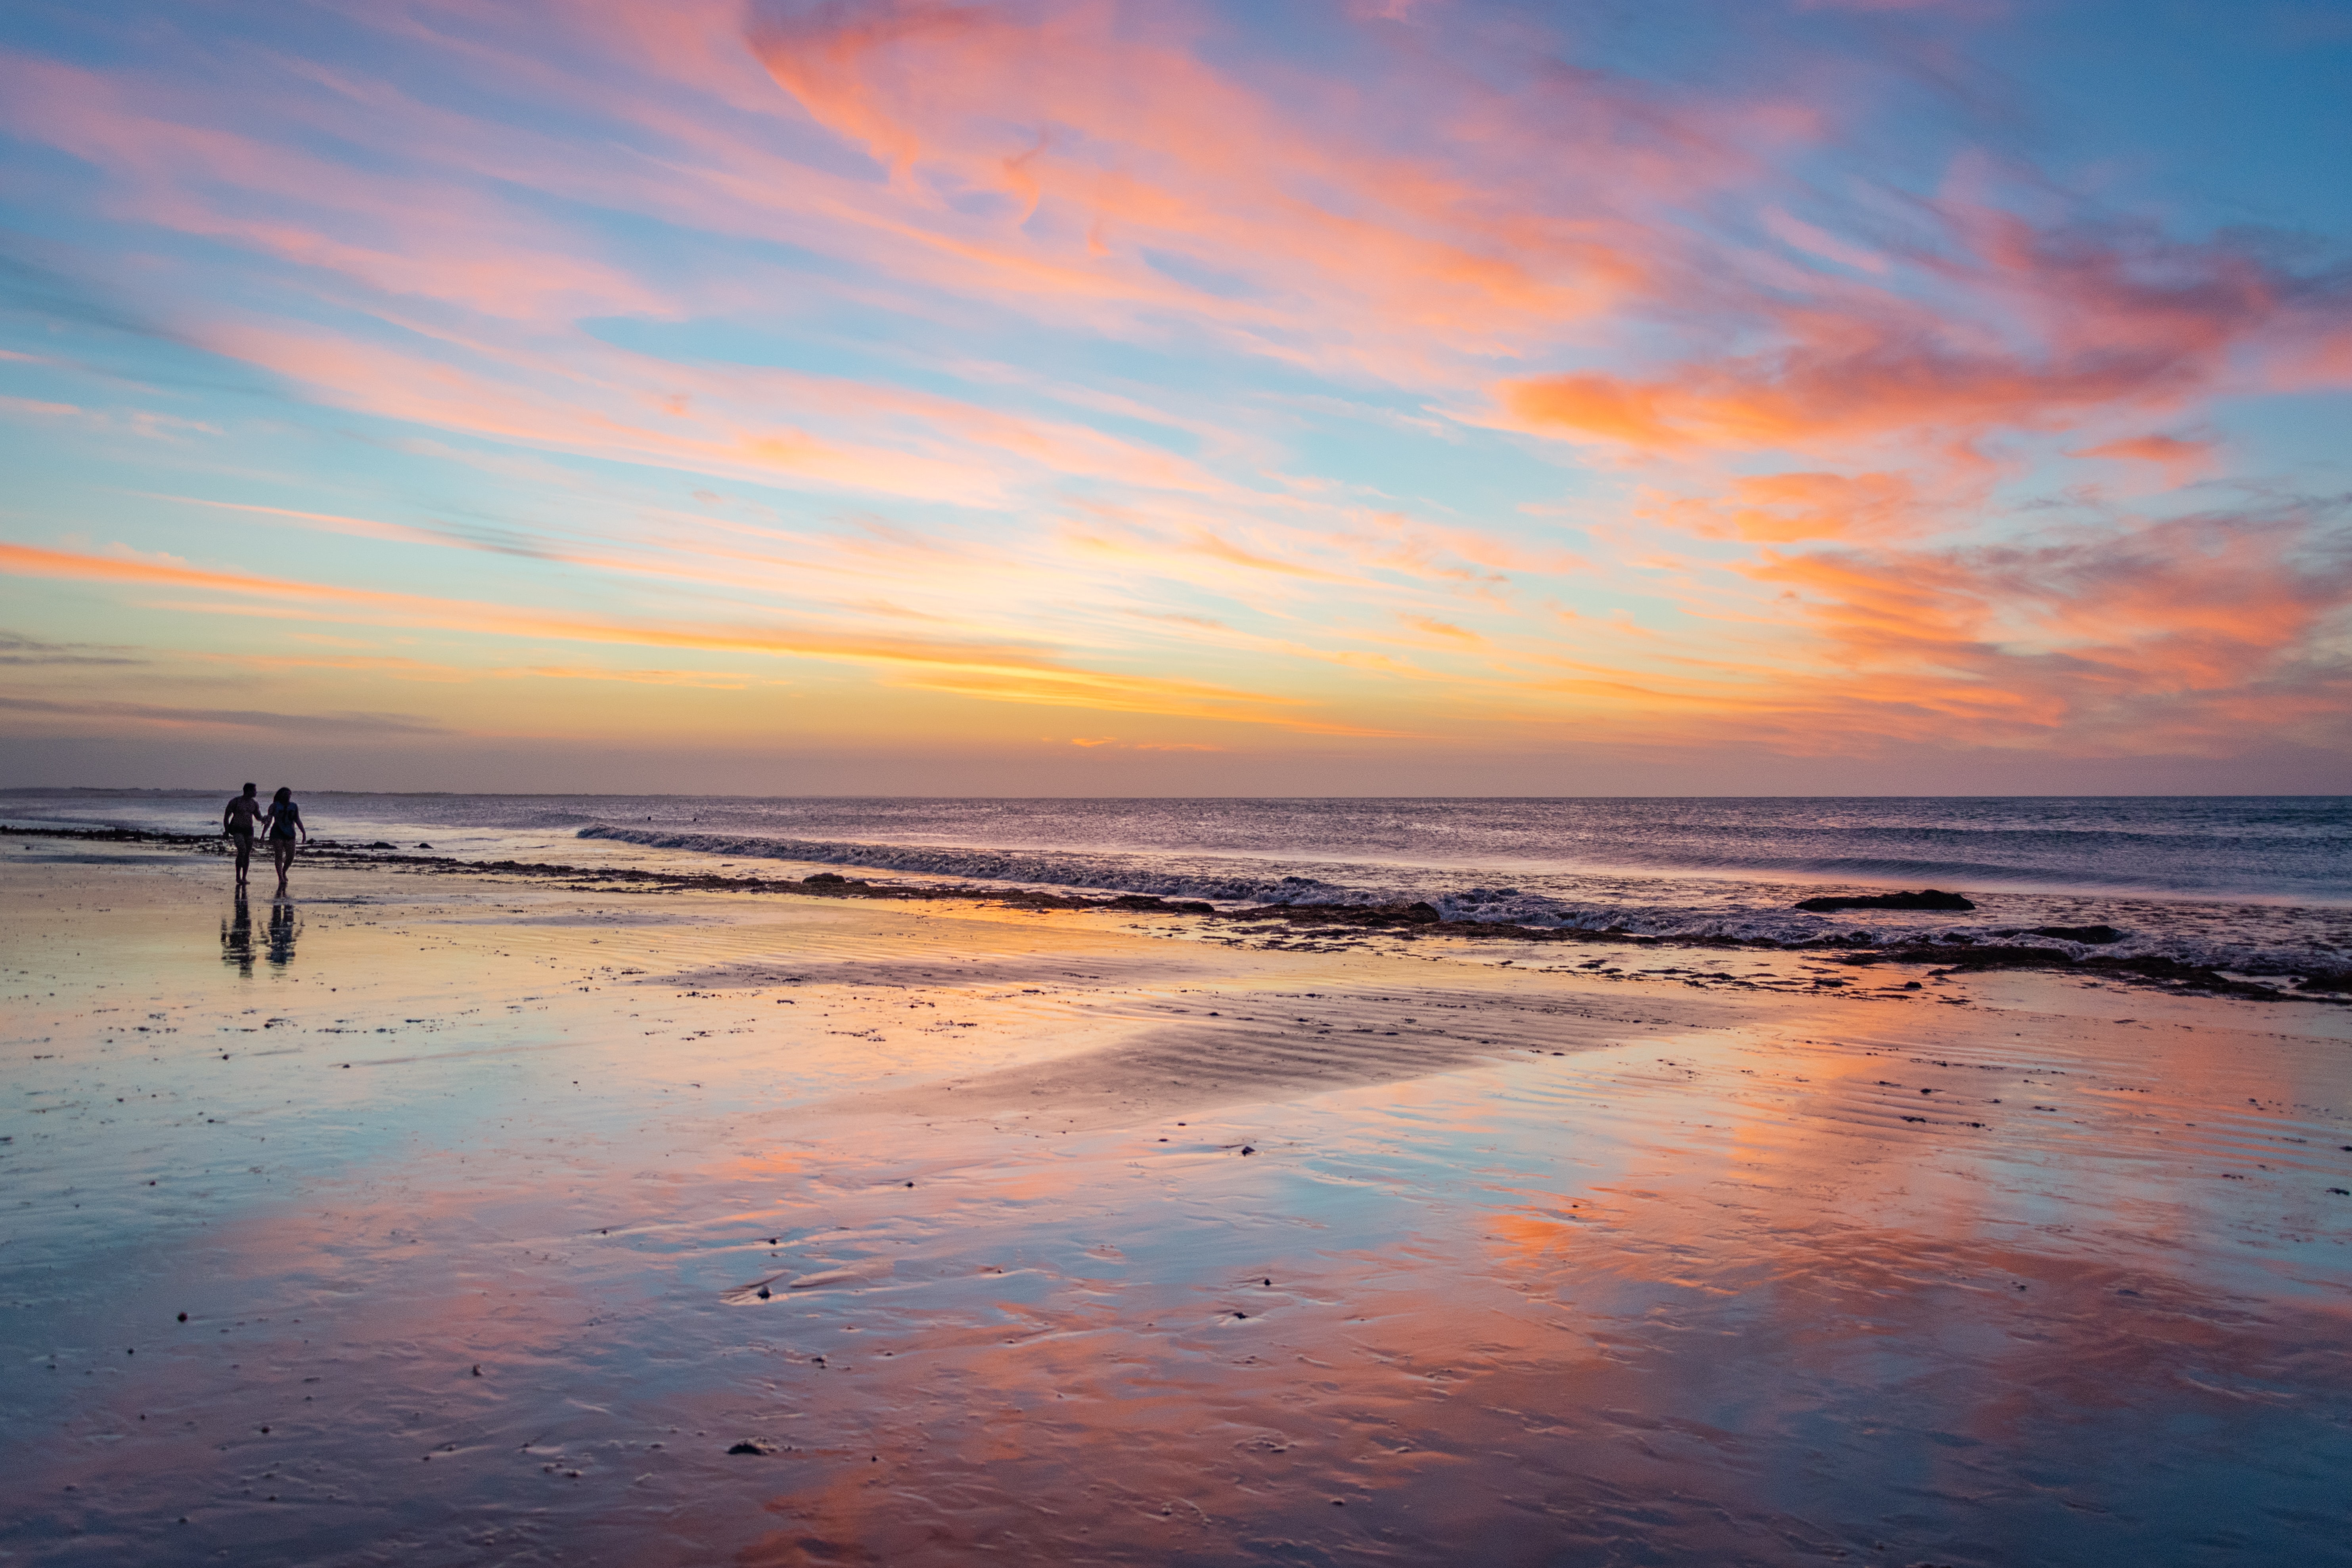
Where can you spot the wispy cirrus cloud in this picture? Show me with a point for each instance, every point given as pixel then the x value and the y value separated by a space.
pixel 111 717
pixel 23 650
pixel 1001 672
pixel 1358 375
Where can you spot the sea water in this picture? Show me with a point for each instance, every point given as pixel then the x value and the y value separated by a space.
pixel 2260 885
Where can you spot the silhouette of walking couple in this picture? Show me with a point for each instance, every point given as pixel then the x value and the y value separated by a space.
pixel 280 823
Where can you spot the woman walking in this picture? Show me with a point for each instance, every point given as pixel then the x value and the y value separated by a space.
pixel 284 821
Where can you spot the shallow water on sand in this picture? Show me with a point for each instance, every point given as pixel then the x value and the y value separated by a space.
pixel 1518 1266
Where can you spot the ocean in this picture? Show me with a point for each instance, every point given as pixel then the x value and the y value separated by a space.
pixel 2255 885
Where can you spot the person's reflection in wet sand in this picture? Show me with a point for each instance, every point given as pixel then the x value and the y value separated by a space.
pixel 282 927
pixel 237 939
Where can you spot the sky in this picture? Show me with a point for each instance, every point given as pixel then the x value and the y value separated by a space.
pixel 1079 397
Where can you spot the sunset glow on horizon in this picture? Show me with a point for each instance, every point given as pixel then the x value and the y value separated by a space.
pixel 1419 396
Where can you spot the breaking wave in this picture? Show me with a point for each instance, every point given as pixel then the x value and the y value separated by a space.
pixel 2262 938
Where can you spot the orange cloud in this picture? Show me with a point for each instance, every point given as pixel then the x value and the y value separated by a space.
pixel 1797 443
pixel 1782 508
pixel 2012 329
pixel 998 672
pixel 2163 636
pixel 1444 630
pixel 1848 383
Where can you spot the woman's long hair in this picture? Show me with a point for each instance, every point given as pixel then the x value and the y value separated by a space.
pixel 283 795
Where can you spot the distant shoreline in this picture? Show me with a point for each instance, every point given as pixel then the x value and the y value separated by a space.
pixel 200 790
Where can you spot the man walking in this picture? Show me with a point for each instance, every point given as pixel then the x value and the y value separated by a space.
pixel 238 822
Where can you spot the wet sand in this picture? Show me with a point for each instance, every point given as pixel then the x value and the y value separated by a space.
pixel 504 1215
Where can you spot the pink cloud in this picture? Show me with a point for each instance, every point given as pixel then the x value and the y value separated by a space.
pixel 1796 466
pixel 400 235
pixel 2179 460
pixel 2164 635
pixel 746 423
pixel 1105 139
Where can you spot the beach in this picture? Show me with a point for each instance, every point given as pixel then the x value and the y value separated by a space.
pixel 1175 784
pixel 515 1220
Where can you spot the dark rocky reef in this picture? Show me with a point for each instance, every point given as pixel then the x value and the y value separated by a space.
pixel 2090 936
pixel 1926 899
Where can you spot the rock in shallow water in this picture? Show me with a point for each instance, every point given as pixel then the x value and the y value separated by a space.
pixel 2092 936
pixel 1926 899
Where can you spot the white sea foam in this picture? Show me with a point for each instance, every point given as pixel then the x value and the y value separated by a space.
pixel 2269 937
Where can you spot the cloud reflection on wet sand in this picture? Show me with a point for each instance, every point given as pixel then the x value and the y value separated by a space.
pixel 1718 1282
